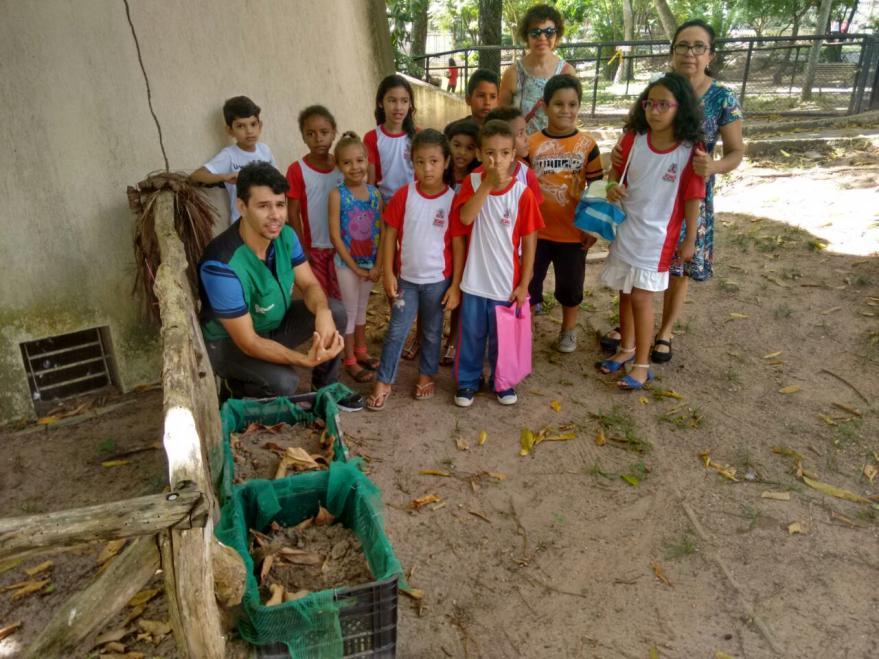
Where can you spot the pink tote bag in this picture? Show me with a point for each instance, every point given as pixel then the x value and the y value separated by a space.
pixel 513 345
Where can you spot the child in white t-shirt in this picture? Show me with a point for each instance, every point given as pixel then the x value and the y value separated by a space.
pixel 389 144
pixel 500 217
pixel 659 191
pixel 311 180
pixel 417 237
pixel 244 126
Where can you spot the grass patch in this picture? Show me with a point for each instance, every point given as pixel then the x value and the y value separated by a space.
pixel 783 311
pixel 595 470
pixel 728 286
pixel 548 302
pixel 847 433
pixel 683 546
pixel 620 428
pixel 107 447
pixel 751 515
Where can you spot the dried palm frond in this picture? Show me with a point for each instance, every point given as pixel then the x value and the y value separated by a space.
pixel 194 218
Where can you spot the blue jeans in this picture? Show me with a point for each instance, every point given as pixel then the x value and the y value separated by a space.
pixel 414 300
pixel 478 325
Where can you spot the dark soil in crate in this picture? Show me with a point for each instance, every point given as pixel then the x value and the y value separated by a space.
pixel 258 449
pixel 311 559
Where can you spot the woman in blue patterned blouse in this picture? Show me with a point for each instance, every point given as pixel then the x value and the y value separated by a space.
pixel 692 52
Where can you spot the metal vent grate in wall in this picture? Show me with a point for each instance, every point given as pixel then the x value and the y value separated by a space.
pixel 67 365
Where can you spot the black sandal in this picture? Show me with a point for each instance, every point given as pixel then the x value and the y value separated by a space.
pixel 661 357
pixel 608 343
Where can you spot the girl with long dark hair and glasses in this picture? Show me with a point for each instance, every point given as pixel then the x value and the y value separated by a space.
pixel 661 193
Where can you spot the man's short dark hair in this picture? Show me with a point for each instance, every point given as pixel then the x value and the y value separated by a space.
pixel 559 82
pixel 482 75
pixel 259 173
pixel 239 107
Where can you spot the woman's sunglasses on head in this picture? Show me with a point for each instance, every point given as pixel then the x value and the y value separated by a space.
pixel 697 48
pixel 548 32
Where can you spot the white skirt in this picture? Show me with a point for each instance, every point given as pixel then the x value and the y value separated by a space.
pixel 623 277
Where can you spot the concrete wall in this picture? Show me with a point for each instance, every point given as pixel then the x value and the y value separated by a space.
pixel 77 129
pixel 434 107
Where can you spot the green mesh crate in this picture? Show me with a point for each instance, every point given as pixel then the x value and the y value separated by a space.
pixel 236 415
pixel 312 627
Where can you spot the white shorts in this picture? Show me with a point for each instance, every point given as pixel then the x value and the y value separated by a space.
pixel 623 277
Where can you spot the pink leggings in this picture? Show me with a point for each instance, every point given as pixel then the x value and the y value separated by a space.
pixel 355 297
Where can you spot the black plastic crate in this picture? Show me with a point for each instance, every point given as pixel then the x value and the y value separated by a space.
pixel 368 620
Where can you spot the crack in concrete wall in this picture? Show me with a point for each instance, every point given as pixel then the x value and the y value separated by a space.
pixel 146 79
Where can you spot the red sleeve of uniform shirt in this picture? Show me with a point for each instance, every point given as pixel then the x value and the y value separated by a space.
pixel 296 181
pixel 626 147
pixel 395 211
pixel 370 141
pixel 528 219
pixel 534 185
pixel 464 194
pixel 692 185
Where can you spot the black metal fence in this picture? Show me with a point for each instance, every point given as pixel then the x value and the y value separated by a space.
pixel 767 74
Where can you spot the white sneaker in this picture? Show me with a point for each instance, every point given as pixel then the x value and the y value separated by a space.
pixel 507 397
pixel 567 341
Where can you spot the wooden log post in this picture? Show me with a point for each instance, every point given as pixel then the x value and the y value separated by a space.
pixel 86 612
pixel 192 443
pixel 108 521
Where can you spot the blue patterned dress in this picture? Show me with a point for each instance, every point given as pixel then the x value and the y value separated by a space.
pixel 360 226
pixel 719 107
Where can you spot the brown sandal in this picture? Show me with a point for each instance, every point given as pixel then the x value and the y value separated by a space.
pixel 425 391
pixel 361 376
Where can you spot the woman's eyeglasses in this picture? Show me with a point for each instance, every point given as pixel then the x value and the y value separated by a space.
pixel 660 106
pixel 697 48
pixel 548 32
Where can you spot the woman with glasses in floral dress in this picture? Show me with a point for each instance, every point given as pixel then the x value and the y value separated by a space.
pixel 692 51
pixel 522 83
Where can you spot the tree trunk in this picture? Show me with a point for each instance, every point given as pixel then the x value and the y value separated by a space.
pixel 669 24
pixel 820 27
pixel 419 35
pixel 785 64
pixel 624 71
pixel 490 12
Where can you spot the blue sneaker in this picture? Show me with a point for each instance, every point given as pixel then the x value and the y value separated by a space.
pixel 537 309
pixel 507 397
pixel 464 397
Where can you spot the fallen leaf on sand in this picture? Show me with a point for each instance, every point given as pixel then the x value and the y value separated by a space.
pixel 738 316
pixel 300 556
pixel 600 439
pixel 777 496
pixel 266 568
pixel 826 419
pixel 795 527
pixel 479 515
pixel 323 517
pixel 790 389
pixel 773 354
pixel 726 471
pixel 630 479
pixel 143 597
pixel 644 400
pixel 420 502
pixel 848 408
pixel 113 646
pixel 654 653
pixel 11 564
pixel 526 442
pixel 668 393
pixel 8 630
pixel 45 565
pixel 414 593
pixel 832 490
pixel 870 472
pixel 434 472
pixel 113 636
pixel 297 459
pixel 555 405
pixel 155 628
pixel 483 437
pixel 277 596
pixel 115 463
pixel 498 476
pixel 47 420
pixel 722 655
pixel 660 573
pixel 461 444
pixel 28 588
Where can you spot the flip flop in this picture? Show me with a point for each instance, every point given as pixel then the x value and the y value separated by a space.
pixel 609 343
pixel 425 391
pixel 661 357
pixel 376 402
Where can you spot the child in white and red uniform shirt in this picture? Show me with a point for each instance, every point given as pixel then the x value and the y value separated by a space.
pixel 417 245
pixel 498 214
pixel 311 179
pixel 389 144
pixel 659 191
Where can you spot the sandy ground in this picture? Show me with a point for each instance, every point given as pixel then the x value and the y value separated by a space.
pixel 559 558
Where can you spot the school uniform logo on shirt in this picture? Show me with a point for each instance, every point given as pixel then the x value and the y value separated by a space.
pixel 672 173
pixel 506 218
pixel 439 220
